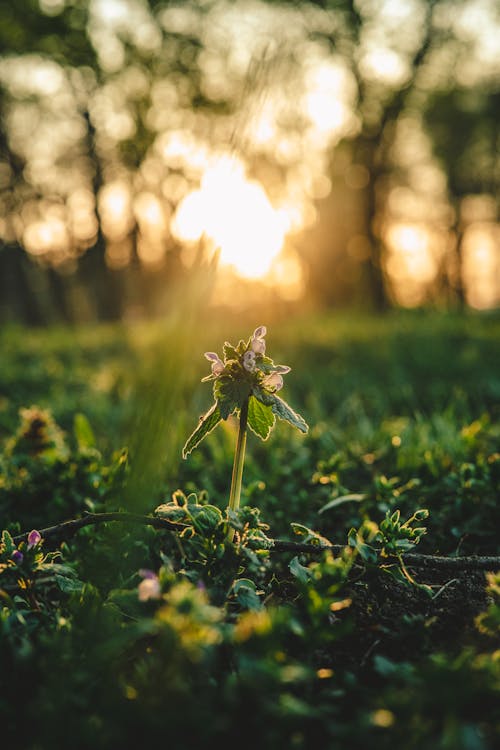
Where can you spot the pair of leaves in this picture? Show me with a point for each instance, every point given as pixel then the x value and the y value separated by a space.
pixel 260 420
pixel 261 416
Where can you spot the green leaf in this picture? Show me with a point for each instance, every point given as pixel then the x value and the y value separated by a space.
pixel 69 585
pixel 263 396
pixel 246 594
pixel 8 545
pixel 300 572
pixel 309 536
pixel 229 351
pixel 205 518
pixel 83 432
pixel 208 422
pixel 285 412
pixel 260 418
pixel 351 498
pixel 266 365
pixel 366 552
pixel 230 394
pixel 242 346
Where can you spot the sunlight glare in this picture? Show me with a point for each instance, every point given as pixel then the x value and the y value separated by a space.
pixel 324 100
pixel 481 264
pixel 412 256
pixel 115 209
pixel 236 214
pixel 46 237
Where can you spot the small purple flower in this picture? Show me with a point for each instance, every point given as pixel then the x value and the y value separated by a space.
pixel 257 344
pixel 34 538
pixel 17 557
pixel 148 574
pixel 273 382
pixel 217 363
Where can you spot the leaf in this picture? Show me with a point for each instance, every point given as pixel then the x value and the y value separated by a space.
pixel 208 422
pixel 266 365
pixel 263 396
pixel 260 418
pixel 229 351
pixel 300 572
pixel 8 545
pixel 205 518
pixel 285 412
pixel 230 394
pixel 246 594
pixel 310 536
pixel 69 585
pixel 83 432
pixel 170 512
pixel 352 498
pixel 366 552
pixel 242 346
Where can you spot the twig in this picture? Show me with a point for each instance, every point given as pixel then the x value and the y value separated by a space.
pixel 66 530
pixel 472 562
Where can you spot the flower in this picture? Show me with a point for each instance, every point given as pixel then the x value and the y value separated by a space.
pixel 274 381
pixel 217 363
pixel 150 587
pixel 249 361
pixel 34 538
pixel 257 344
pixel 146 573
pixel 17 557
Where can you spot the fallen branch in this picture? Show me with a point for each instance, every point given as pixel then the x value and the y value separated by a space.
pixel 472 562
pixel 67 529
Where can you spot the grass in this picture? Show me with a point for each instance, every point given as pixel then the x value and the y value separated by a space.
pixel 404 413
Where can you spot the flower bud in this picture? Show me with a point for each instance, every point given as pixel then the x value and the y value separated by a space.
pixel 273 381
pixel 34 538
pixel 217 363
pixel 257 344
pixel 17 557
pixel 249 361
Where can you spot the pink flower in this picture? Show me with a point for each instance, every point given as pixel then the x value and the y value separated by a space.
pixel 149 588
pixel 217 363
pixel 273 381
pixel 34 538
pixel 257 344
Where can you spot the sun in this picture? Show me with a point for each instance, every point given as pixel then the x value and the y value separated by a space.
pixel 236 214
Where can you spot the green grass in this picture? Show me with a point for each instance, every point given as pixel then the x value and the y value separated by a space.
pixel 404 413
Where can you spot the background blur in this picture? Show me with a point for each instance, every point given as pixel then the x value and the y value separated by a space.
pixel 340 153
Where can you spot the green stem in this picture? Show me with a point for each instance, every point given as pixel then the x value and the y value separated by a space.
pixel 239 460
